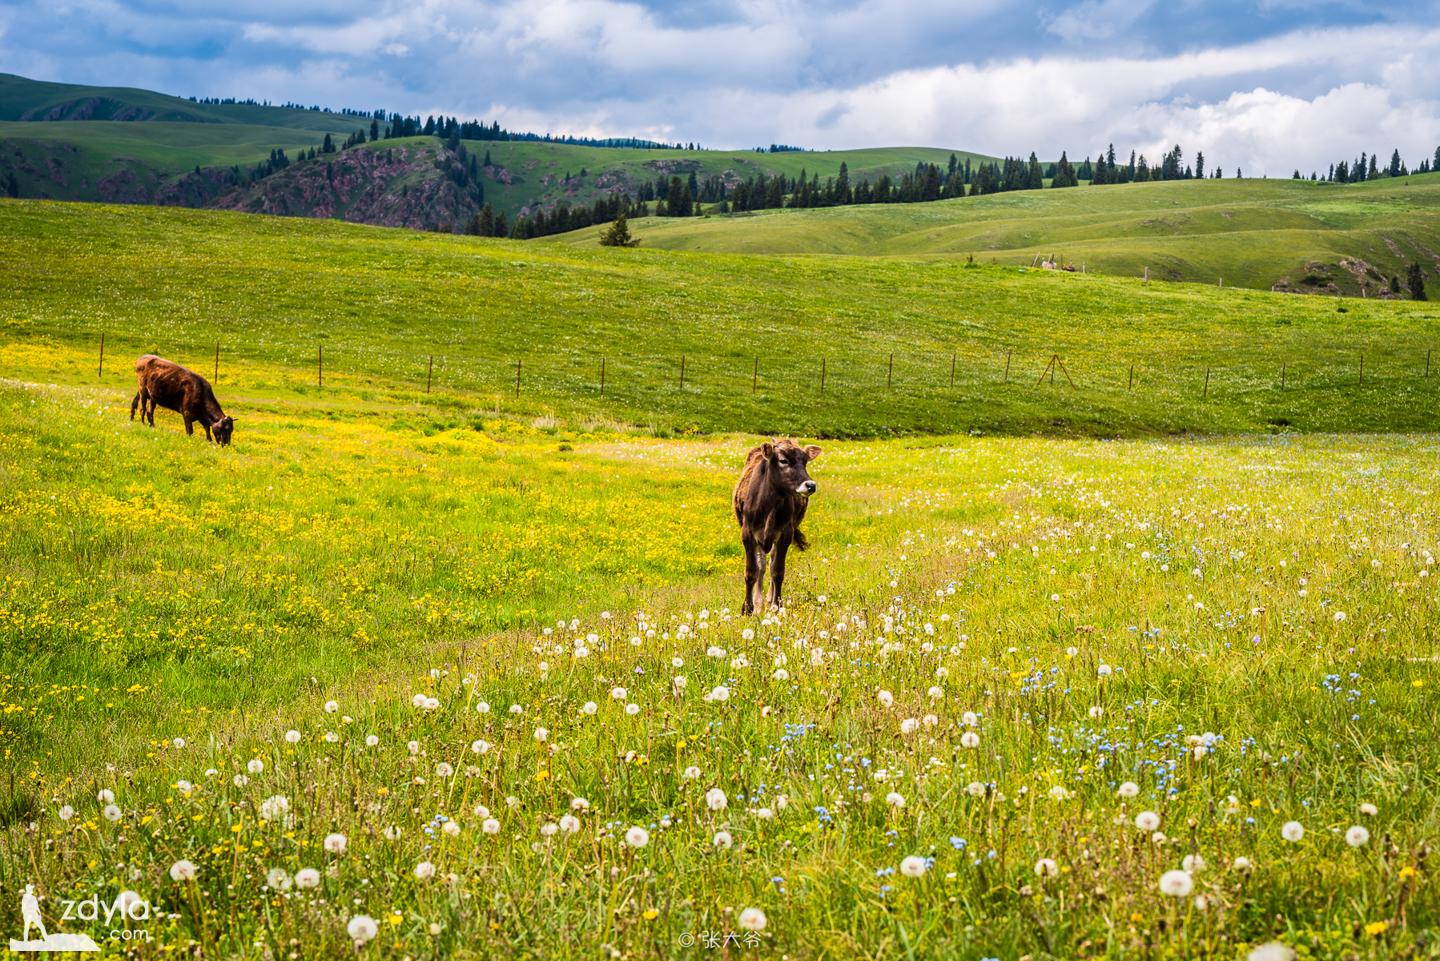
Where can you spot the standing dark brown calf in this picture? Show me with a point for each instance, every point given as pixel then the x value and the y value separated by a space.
pixel 167 384
pixel 770 502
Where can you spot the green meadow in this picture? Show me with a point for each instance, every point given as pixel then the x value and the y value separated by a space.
pixel 756 334
pixel 1090 671
pixel 1246 233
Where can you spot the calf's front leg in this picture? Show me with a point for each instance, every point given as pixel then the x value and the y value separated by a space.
pixel 777 576
pixel 753 575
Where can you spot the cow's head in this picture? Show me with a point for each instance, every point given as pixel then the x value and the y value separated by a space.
pixel 788 461
pixel 222 429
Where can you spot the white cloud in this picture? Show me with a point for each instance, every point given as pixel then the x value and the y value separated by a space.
pixel 1098 19
pixel 821 73
pixel 1079 105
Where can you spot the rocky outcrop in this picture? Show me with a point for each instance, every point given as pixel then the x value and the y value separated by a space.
pixel 423 187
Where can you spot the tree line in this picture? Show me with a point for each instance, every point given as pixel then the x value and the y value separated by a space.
pixel 1367 167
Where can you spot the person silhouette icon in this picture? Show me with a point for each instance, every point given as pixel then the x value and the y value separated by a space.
pixel 30 910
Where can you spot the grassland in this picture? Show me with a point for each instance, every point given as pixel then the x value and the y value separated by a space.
pixel 1231 625
pixel 68 160
pixel 380 303
pixel 1248 233
pixel 471 642
pixel 530 173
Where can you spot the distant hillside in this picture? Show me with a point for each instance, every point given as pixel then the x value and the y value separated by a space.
pixel 1282 234
pixel 526 175
pixel 120 144
pixel 39 100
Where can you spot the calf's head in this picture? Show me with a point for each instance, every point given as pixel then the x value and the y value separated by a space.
pixel 223 429
pixel 788 462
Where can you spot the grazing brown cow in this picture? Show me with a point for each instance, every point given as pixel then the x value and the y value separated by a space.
pixel 770 502
pixel 167 384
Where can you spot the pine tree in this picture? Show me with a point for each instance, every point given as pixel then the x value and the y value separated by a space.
pixel 1064 173
pixel 675 203
pixel 486 222
pixel 1395 165
pixel 618 234
pixel 1415 280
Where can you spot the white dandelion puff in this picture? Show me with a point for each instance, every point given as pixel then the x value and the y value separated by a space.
pixel 1177 884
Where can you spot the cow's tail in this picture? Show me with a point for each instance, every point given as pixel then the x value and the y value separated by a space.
pixel 800 542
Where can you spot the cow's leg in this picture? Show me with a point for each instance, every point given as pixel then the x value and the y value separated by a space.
pixel 752 575
pixel 134 403
pixel 189 426
pixel 757 595
pixel 777 576
pixel 207 433
pixel 149 402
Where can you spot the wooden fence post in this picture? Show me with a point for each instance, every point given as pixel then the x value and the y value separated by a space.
pixel 1007 366
pixel 952 370
pixel 320 366
pixel 217 362
pixel 1206 393
pixel 1131 385
pixel 1427 361
pixel 755 378
pixel 1049 369
pixel 1362 370
pixel 1284 369
pixel 890 374
pixel 101 372
pixel 682 371
pixel 1147 275
pixel 822 375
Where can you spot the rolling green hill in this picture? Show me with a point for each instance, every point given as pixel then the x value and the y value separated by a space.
pixel 835 346
pixel 526 173
pixel 73 142
pixel 1253 233
pixel 128 161
pixel 36 100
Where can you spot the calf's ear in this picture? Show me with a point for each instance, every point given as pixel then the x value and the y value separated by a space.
pixel 767 450
pixel 812 452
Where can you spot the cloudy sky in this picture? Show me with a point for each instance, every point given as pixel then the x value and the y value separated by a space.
pixel 1267 85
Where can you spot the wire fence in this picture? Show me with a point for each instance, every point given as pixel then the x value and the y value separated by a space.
pixel 675 382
